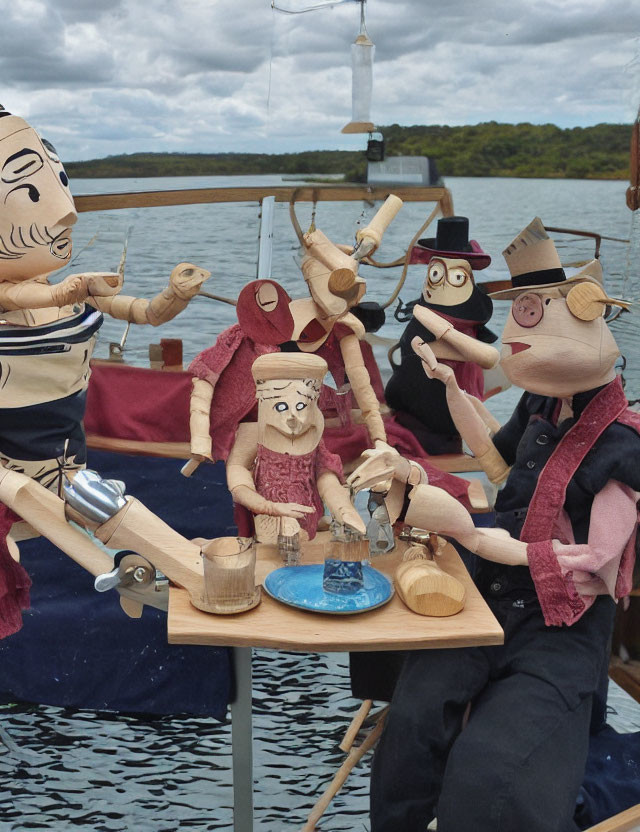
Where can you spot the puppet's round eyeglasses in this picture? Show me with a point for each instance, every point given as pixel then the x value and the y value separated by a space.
pixel 455 276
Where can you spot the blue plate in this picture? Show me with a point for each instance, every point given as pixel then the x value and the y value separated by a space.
pixel 301 587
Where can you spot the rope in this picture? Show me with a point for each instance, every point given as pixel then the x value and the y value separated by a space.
pixel 407 256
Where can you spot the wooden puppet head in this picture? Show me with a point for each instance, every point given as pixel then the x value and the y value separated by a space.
pixel 331 275
pixel 263 312
pixel 556 341
pixel 36 206
pixel 450 289
pixel 448 282
pixel 287 388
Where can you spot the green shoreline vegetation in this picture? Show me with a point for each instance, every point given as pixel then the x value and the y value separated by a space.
pixel 489 149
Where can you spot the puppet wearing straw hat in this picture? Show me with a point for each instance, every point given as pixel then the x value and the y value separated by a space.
pixel 561 554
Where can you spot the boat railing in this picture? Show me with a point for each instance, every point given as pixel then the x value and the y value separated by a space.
pixel 288 194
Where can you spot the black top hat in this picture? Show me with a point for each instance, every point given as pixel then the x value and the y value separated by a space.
pixel 451 241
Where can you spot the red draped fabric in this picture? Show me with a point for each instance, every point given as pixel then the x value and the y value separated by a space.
pixel 128 403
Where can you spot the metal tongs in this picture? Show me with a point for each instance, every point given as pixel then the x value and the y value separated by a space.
pixel 379 528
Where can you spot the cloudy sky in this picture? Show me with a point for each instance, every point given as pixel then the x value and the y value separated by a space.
pixel 102 77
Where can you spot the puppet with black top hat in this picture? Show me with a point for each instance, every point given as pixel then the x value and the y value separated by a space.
pixel 450 293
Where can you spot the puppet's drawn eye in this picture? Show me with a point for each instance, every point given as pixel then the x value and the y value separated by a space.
pixel 20 165
pixel 300 406
pixel 457 277
pixel 436 273
pixel 281 407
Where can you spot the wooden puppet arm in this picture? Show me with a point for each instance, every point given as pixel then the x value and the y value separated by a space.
pixel 387 471
pixel 369 238
pixel 336 498
pixel 469 349
pixel 75 288
pixel 493 425
pixel 184 283
pixel 433 509
pixel 199 419
pixel 361 385
pixel 467 420
pixel 240 480
pixel 593 567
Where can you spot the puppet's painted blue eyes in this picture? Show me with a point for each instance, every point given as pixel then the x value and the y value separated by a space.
pixel 300 406
pixel 281 407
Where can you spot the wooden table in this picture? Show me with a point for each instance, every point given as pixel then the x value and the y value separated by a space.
pixel 274 625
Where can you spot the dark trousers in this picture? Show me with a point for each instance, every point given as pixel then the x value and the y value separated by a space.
pixel 519 762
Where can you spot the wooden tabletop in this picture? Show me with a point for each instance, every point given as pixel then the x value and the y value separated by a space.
pixel 391 627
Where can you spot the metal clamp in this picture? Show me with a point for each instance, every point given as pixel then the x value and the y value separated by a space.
pixel 135 577
pixel 93 497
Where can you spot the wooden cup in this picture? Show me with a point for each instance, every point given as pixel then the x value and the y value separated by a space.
pixel 229 576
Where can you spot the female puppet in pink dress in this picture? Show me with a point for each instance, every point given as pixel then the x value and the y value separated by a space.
pixel 223 392
pixel 279 467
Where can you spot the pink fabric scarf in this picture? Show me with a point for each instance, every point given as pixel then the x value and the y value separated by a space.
pixel 559 600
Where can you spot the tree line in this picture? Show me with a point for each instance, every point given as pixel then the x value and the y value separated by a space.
pixel 489 149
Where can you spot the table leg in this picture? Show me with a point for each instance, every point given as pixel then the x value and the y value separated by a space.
pixel 242 741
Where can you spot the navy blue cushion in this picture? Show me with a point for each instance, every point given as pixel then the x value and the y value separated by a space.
pixel 612 778
pixel 78 649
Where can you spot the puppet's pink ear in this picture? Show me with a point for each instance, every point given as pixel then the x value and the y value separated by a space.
pixel 263 312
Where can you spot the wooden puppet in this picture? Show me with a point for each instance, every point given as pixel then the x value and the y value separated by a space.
pixel 279 467
pixel 449 291
pixel 47 332
pixel 557 346
pixel 562 549
pixel 423 586
pixel 223 393
pixel 268 320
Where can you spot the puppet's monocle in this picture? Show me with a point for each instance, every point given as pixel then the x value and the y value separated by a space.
pixel 586 301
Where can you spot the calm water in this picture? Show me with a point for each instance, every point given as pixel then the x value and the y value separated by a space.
pixel 65 770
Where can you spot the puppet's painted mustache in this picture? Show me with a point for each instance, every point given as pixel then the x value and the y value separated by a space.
pixel 20 240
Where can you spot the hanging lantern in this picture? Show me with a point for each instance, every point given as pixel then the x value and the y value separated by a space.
pixel 362 51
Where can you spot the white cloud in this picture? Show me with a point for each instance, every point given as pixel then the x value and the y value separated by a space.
pixel 223 75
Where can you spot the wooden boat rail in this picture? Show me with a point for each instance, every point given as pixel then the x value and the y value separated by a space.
pixel 288 194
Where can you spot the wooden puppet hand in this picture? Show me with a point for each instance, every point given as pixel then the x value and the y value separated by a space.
pixel 103 285
pixel 73 289
pixel 436 324
pixel 379 467
pixel 348 516
pixel 186 280
pixel 193 463
pixel 430 363
pixel 77 287
pixel 287 510
pixel 464 347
